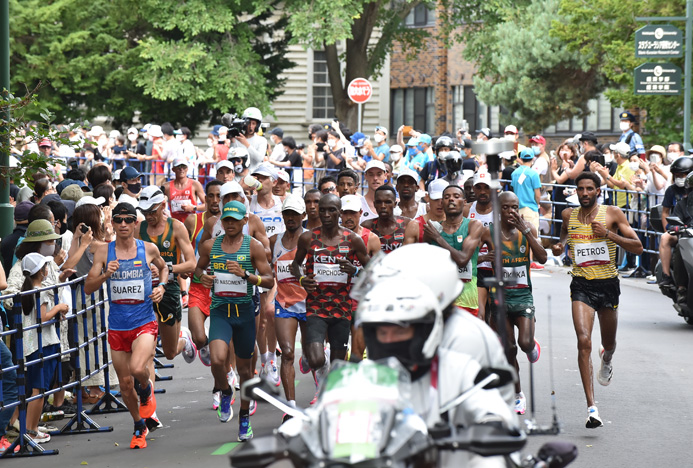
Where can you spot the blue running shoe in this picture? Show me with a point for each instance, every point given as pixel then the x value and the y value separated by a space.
pixel 245 432
pixel 225 411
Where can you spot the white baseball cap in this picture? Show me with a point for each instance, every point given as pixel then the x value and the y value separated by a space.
pixel 33 262
pixel 266 170
pixel 482 177
pixel 180 162
pixel 396 149
pixel 375 163
pixel 224 163
pixel 406 172
pixel 621 148
pixel 150 196
pixel 511 129
pixel 351 203
pixel 89 200
pixel 435 189
pixel 155 131
pixel 96 130
pixel 294 203
pixel 283 175
pixel 507 154
pixel 231 187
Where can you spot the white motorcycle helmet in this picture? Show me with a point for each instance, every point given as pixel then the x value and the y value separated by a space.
pixel 253 113
pixel 426 263
pixel 403 303
pixel 237 152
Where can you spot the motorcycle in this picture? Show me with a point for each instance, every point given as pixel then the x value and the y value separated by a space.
pixel 362 418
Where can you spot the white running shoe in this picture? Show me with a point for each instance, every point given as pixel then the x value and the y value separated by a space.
pixel 203 352
pixel 237 386
pixel 273 374
pixel 252 408
pixel 520 403
pixel 606 371
pixel 263 370
pixel 593 419
pixel 216 398
pixel 190 349
pixel 231 379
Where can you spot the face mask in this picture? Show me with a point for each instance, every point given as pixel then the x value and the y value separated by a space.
pixel 624 126
pixel 480 140
pixel 363 151
pixel 135 188
pixel 47 250
pixel 63 227
pixel 179 137
pixel 395 156
pixel 222 139
pixel 331 143
pixel 634 166
pixel 238 168
pixel 537 150
pixel 132 137
pixel 510 137
pixel 608 157
pixel 680 181
pixel 210 142
pixel 412 151
pixel 378 138
pixel 421 148
pixel 671 157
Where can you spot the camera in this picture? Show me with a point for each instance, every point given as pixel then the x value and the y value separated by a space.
pixel 320 146
pixel 235 125
pixel 84 228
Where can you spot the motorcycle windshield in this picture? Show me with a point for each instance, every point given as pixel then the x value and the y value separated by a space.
pixel 357 406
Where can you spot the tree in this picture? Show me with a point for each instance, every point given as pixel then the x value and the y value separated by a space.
pixel 170 61
pixel 368 29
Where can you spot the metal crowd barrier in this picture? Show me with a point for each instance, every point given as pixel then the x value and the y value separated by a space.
pixel 92 340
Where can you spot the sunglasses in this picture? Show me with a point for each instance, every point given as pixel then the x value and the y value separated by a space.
pixel 124 219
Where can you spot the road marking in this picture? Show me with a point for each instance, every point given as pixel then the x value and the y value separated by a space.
pixel 226 448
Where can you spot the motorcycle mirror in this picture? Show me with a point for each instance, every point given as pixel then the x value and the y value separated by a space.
pixel 503 377
pixel 558 454
pixel 675 221
pixel 248 388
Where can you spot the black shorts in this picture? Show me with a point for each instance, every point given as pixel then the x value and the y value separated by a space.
pixel 336 329
pixel 481 275
pixel 169 310
pixel 597 293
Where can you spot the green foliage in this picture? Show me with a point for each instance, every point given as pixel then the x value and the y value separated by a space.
pixel 183 62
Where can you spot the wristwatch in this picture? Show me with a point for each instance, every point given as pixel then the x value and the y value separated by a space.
pixel 246 275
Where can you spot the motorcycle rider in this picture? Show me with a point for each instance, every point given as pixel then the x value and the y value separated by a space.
pixel 436 168
pixel 255 144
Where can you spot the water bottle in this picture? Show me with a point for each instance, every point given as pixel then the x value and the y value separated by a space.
pixel 52 416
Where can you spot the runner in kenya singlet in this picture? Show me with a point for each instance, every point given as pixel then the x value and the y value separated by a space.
pixel 393 241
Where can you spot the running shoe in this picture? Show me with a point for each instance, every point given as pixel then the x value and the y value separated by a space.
pixel 273 374
pixel 231 379
pixel 303 365
pixel 315 398
pixel 147 401
pixel 536 266
pixel 190 349
pixel 216 398
pixel 4 444
pixel 153 423
pixel 225 411
pixel 286 417
pixel 533 356
pixel 38 436
pixel 203 353
pixel 245 432
pixel 253 407
pixel 184 301
pixel 139 438
pixel 593 419
pixel 606 371
pixel 263 370
pixel 237 385
pixel 520 403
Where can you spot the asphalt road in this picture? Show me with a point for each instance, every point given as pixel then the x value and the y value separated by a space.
pixel 646 409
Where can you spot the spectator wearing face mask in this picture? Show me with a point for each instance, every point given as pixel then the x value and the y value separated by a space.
pixel 278 153
pixel 381 150
pixel 511 133
pixel 396 158
pixel 632 139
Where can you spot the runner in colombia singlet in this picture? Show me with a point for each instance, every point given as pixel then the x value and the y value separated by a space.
pixel 129 289
pixel 393 241
pixel 331 296
pixel 593 257
pixel 290 295
pixel 229 288
pixel 180 198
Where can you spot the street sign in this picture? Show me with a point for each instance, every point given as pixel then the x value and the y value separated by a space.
pixel 659 41
pixel 657 78
pixel 360 90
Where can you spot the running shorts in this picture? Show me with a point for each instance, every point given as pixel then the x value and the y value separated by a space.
pixel 596 293
pixel 121 340
pixel 169 310
pixel 481 275
pixel 199 297
pixel 336 329
pixel 281 312
pixel 234 322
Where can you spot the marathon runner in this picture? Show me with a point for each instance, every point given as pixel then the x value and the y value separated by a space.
pixel 518 237
pixel 184 193
pixel 268 208
pixel 461 237
pixel 233 258
pixel 171 238
pixel 329 252
pixel 407 186
pixel 481 209
pixel 311 198
pixel 415 231
pixel 351 214
pixel 282 186
pixel 592 235
pixel 388 227
pixel 200 299
pixel 375 176
pixel 348 183
pixel 290 303
pixel 124 264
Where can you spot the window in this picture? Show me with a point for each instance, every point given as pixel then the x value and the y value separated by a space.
pixel 323 106
pixel 477 114
pixel 601 118
pixel 415 107
pixel 457 107
pixel 420 16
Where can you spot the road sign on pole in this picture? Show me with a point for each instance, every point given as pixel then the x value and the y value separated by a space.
pixel 360 91
pixel 657 78
pixel 659 41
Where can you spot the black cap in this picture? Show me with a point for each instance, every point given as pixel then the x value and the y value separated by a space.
pixel 124 209
pixel 589 136
pixel 129 173
pixel 626 116
pixel 277 131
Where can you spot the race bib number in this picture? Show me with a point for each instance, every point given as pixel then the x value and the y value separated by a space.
pixel 127 292
pixel 465 273
pixel 518 275
pixel 177 205
pixel 327 273
pixel 284 272
pixel 228 285
pixel 594 253
pixel 273 225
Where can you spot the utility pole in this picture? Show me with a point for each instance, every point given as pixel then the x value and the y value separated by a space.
pixel 6 210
